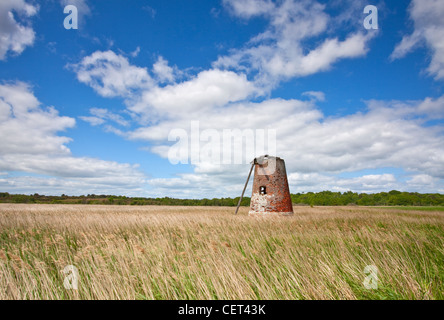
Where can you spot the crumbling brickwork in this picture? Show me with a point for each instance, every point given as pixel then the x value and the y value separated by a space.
pixel 271 194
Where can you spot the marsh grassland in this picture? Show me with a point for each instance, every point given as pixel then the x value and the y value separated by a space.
pixel 153 252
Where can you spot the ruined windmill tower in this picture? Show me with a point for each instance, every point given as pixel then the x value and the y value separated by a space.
pixel 270 194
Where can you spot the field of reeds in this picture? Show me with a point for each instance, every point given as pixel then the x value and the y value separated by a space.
pixel 160 252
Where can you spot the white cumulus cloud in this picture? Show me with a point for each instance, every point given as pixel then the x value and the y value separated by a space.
pixel 111 75
pixel 389 134
pixel 15 36
pixel 30 143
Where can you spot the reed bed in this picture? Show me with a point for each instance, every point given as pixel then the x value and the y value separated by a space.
pixel 160 252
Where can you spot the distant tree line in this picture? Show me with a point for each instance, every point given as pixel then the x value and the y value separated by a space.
pixel 392 198
pixel 324 198
pixel 119 200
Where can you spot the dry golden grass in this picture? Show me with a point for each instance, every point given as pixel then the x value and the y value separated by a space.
pixel 150 252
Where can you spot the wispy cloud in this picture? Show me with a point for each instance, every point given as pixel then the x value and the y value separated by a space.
pixel 101 115
pixel 151 11
pixel 429 30
pixel 15 36
pixel 316 95
pixel 279 52
pixel 135 53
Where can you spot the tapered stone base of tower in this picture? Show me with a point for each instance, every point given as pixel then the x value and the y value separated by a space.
pixel 271 194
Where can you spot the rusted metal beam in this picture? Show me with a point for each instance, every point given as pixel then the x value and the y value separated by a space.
pixel 245 187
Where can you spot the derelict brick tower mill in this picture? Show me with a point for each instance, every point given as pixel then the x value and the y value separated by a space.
pixel 271 194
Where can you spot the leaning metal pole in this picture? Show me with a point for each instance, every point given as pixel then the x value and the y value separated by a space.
pixel 245 187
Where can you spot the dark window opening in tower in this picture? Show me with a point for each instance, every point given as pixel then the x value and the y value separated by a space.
pixel 262 190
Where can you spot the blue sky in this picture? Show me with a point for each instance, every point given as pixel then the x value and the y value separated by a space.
pixel 91 110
